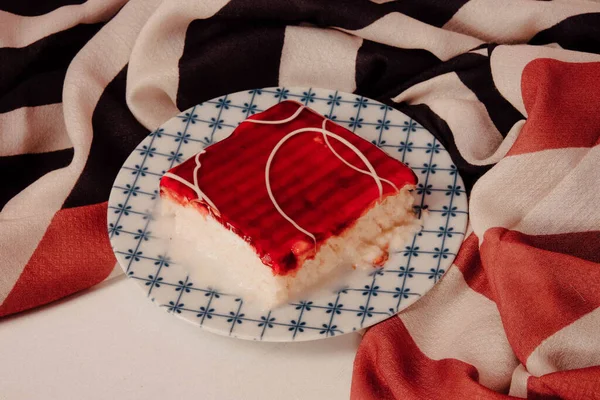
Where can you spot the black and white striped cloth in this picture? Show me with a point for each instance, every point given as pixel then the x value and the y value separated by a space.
pixel 83 82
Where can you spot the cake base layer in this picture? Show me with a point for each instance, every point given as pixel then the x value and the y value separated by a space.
pixel 384 228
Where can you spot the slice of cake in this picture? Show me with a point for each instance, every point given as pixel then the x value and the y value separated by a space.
pixel 290 198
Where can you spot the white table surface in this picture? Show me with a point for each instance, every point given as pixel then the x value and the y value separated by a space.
pixel 110 342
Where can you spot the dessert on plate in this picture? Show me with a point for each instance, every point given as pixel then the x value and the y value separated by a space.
pixel 289 199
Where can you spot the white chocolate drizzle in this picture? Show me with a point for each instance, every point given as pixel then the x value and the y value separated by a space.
pixel 194 186
pixel 362 171
pixel 281 121
pixel 371 170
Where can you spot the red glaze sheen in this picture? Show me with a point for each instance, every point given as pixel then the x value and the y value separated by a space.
pixel 311 185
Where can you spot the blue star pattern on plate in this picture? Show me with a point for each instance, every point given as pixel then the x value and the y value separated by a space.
pixel 370 297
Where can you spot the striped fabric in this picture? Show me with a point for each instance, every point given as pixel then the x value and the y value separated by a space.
pixel 511 89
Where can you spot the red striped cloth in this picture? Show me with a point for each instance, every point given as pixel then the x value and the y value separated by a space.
pixel 510 89
pixel 518 312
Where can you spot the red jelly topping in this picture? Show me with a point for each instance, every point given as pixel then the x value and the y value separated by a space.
pixel 316 189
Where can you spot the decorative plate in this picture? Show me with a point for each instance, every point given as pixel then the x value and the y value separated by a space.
pixel 370 296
